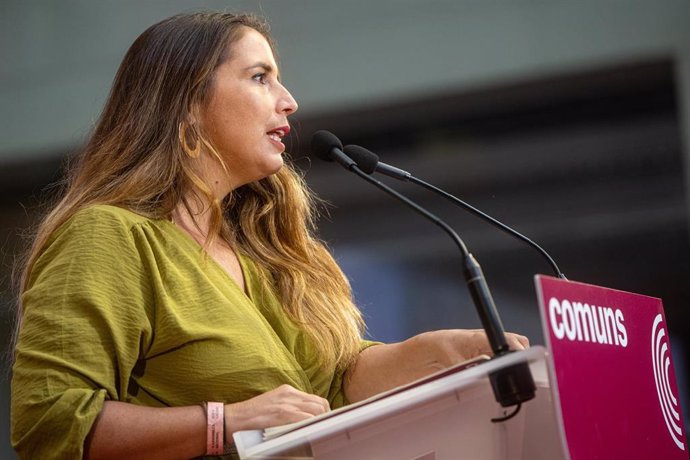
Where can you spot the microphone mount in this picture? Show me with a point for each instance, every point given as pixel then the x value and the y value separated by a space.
pixel 512 385
pixel 369 162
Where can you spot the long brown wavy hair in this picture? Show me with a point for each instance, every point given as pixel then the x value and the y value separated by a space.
pixel 134 159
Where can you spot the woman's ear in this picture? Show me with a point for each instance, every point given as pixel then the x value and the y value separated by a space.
pixel 191 116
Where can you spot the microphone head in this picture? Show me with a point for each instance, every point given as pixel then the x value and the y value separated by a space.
pixel 366 159
pixel 322 144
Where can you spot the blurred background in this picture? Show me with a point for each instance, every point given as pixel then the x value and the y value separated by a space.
pixel 570 121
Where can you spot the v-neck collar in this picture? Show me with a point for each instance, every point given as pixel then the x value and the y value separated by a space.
pixel 247 291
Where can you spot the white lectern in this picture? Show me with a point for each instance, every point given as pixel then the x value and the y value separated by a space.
pixel 447 418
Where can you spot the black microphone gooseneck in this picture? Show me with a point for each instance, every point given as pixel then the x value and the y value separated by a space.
pixel 512 385
pixel 369 162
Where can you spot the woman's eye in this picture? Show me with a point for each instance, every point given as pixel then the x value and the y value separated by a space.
pixel 260 77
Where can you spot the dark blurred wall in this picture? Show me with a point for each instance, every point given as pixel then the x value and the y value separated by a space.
pixel 568 120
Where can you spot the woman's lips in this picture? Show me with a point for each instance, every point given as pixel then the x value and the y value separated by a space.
pixel 276 136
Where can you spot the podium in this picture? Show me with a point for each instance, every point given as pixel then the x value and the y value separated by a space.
pixel 447 418
pixel 605 383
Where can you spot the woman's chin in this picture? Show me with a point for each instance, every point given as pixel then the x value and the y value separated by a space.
pixel 278 165
pixel 272 169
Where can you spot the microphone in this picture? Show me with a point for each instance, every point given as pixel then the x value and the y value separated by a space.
pixel 369 162
pixel 512 385
pixel 329 148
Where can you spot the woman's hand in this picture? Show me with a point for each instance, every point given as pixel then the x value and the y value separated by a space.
pixel 444 348
pixel 283 405
pixel 180 432
pixel 382 367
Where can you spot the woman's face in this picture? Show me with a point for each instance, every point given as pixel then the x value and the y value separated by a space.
pixel 246 114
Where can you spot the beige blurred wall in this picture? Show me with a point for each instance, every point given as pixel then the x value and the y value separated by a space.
pixel 59 58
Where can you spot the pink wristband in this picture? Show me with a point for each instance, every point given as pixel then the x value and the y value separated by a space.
pixel 215 435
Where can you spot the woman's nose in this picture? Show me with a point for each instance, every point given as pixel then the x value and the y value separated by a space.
pixel 286 103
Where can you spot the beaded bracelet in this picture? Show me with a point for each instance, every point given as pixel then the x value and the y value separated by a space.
pixel 215 434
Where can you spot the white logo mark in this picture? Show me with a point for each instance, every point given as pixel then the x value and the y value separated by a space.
pixel 661 362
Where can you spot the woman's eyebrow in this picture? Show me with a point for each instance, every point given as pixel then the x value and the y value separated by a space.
pixel 268 68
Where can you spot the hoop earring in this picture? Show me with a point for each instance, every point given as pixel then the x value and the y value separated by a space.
pixel 182 134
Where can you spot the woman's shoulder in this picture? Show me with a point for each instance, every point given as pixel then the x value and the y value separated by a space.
pixel 94 239
pixel 105 226
pixel 102 219
pixel 108 214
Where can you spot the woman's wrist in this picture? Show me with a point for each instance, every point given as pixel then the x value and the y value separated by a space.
pixel 228 424
pixel 233 421
pixel 215 428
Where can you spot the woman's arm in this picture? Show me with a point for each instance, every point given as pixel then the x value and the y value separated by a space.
pixel 382 367
pixel 125 430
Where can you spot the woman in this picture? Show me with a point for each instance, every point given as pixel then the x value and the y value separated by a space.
pixel 180 270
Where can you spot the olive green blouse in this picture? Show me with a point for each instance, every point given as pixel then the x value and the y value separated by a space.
pixel 122 307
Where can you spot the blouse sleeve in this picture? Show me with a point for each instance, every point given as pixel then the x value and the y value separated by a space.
pixel 336 395
pixel 85 322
